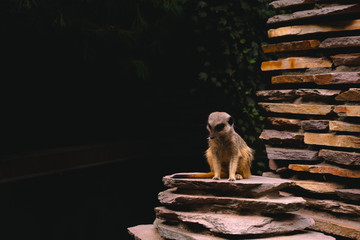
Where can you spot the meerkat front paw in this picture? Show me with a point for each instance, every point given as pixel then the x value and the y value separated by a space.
pixel 239 177
pixel 231 179
pixel 216 178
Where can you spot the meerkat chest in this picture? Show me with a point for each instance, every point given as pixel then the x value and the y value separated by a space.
pixel 224 152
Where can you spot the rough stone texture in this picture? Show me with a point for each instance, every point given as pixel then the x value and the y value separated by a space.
pixel 315 125
pixel 325 11
pixel 290 94
pixel 272 95
pixel 238 224
pixel 347 110
pixel 318 187
pixel 333 206
pixel 340 42
pixel 340 157
pixel 353 94
pixel 291 46
pixel 290 3
pixel 254 186
pixel 145 232
pixel 326 169
pixel 182 233
pixel 308 109
pixel 349 194
pixel 291 154
pixel 314 28
pixel 329 139
pixel 343 126
pixel 295 63
pixel 334 225
pixel 284 123
pixel 282 137
pixel 320 79
pixel 352 59
pixel 323 94
pixel 224 204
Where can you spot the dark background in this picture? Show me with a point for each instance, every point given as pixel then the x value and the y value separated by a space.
pixel 78 73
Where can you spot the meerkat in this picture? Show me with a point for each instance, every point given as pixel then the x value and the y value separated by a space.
pixel 228 154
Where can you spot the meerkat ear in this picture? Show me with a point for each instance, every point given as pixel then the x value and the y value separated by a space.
pixel 231 121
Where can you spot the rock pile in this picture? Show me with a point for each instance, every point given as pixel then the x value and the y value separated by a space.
pixel 253 208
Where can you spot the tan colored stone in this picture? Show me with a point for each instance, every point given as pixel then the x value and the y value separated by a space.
pixel 272 95
pixel 353 94
pixel 341 42
pixel 333 206
pixel 349 194
pixel 145 232
pixel 290 94
pixel 318 187
pixel 347 110
pixel 291 154
pixel 291 46
pixel 284 123
pixel 340 157
pixel 314 28
pixel 308 109
pixel 343 126
pixel 327 223
pixel 320 12
pixel 282 137
pixel 326 169
pixel 290 3
pixel 295 63
pixel 320 79
pixel 329 139
pixel 352 59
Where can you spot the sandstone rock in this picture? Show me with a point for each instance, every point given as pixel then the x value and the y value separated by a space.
pixel 329 139
pixel 238 224
pixel 290 94
pixel 284 123
pixel 333 206
pixel 291 46
pixel 353 94
pixel 340 42
pixel 312 94
pixel 326 169
pixel 347 111
pixel 349 194
pixel 314 28
pixel 290 3
pixel 254 186
pixel 334 225
pixel 272 95
pixel 318 187
pixel 343 126
pixel 308 109
pixel 182 233
pixel 324 11
pixel 315 125
pixel 340 157
pixel 352 59
pixel 295 63
pixel 145 232
pixel 291 154
pixel 231 204
pixel 320 79
pixel 282 137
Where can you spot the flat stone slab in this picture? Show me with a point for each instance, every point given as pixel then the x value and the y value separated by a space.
pixel 347 110
pixel 308 109
pixel 319 79
pixel 291 46
pixel 145 232
pixel 329 139
pixel 254 186
pixel 333 206
pixel 281 137
pixel 341 42
pixel 315 125
pixel 340 157
pixel 351 59
pixel 340 126
pixel 290 3
pixel 298 30
pixel 229 224
pixel 353 95
pixel 318 187
pixel 291 154
pixel 235 204
pixel 295 63
pixel 291 94
pixel 284 123
pixel 349 194
pixel 326 169
pixel 182 233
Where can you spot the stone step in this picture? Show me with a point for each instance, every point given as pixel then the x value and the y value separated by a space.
pixel 218 204
pixel 318 187
pixel 291 94
pixel 298 30
pixel 307 109
pixel 254 186
pixel 291 154
pixel 353 94
pixel 326 169
pixel 340 157
pixel 181 232
pixel 340 126
pixel 333 140
pixel 295 63
pixel 320 79
pixel 352 59
pixel 291 46
pixel 238 225
pixel 333 206
pixel 145 232
pixel 321 12
pixel 349 194
pixel 282 137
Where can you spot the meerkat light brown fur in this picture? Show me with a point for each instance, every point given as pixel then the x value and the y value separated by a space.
pixel 228 154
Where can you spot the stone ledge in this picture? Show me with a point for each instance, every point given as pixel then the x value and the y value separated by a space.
pixel 333 140
pixel 319 79
pixel 291 46
pixel 353 94
pixel 145 232
pixel 282 137
pixel 291 154
pixel 295 63
pixel 349 194
pixel 307 109
pixel 340 157
pixel 326 169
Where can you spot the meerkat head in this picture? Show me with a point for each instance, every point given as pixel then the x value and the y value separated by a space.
pixel 219 124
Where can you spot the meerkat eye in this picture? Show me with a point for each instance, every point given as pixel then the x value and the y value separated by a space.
pixel 219 127
pixel 208 126
pixel 231 121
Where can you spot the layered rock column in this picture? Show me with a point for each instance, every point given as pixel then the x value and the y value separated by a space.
pixel 252 208
pixel 312 107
